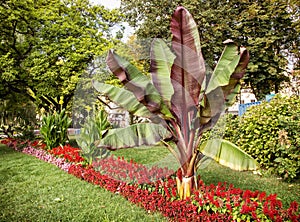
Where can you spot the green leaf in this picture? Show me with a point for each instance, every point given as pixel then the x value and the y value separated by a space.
pixel 228 154
pixel 223 85
pixel 231 90
pixel 123 98
pixel 161 62
pixel 133 136
pixel 225 67
pixel 204 162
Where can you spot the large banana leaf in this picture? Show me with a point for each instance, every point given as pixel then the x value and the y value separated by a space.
pixel 133 136
pixel 228 154
pixel 241 68
pixel 232 86
pixel 226 66
pixel 188 70
pixel 162 60
pixel 224 85
pixel 135 81
pixel 123 98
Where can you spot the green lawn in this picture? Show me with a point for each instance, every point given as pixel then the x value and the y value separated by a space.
pixel 32 190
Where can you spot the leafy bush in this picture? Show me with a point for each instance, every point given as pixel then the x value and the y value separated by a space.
pixel 90 133
pixel 270 133
pixel 54 129
pixel 17 117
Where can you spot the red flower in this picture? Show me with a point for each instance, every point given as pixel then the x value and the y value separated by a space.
pixel 69 153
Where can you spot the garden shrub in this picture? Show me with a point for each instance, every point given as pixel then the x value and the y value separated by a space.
pixel 270 133
pixel 17 117
pixel 54 129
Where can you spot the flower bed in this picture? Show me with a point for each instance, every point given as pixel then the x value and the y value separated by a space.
pixel 131 172
pixel 67 152
pixel 220 202
pixel 47 157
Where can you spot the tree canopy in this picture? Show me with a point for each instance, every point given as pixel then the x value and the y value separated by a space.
pixel 268 28
pixel 45 46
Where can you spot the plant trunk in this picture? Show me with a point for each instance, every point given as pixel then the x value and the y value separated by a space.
pixel 186 180
pixel 185 186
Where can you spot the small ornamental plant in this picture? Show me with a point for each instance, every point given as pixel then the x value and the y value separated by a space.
pixel 54 129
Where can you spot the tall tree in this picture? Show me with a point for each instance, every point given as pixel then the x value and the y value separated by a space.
pixel 268 29
pixel 45 46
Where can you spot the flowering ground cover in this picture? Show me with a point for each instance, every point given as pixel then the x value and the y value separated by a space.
pixel 221 202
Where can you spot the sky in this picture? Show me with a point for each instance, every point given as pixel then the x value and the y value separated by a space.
pixel 110 4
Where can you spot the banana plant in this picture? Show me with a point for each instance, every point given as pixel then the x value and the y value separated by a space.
pixel 182 100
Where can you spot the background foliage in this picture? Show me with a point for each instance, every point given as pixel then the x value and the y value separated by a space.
pixel 270 133
pixel 267 28
pixel 45 46
pixel 17 116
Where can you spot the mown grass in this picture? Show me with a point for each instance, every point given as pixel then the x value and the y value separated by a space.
pixel 214 173
pixel 32 190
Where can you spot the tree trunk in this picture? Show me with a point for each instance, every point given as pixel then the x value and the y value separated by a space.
pixel 276 88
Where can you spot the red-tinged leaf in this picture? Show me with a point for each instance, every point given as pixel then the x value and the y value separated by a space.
pixel 123 98
pixel 241 68
pixel 133 80
pixel 188 70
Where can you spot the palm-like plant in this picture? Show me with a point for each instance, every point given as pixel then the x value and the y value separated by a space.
pixel 182 100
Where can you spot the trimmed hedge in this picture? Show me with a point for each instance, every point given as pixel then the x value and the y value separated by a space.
pixel 270 133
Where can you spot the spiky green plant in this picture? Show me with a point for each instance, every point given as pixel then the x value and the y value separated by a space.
pixel 54 128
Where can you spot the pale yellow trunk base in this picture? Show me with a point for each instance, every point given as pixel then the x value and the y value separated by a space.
pixel 184 187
